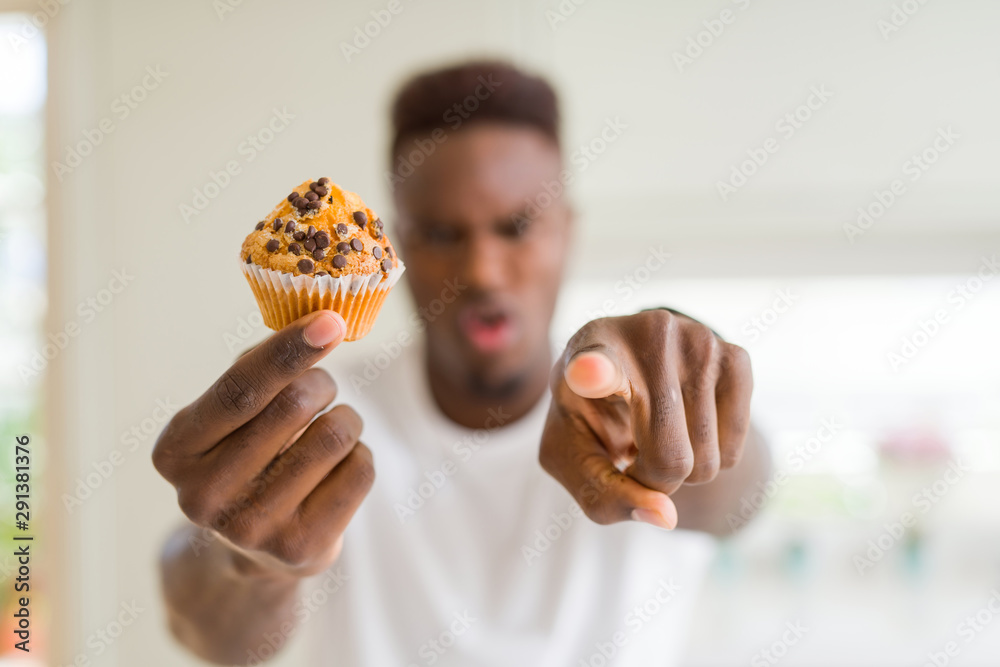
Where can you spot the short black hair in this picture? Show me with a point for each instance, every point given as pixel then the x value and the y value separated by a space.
pixel 507 95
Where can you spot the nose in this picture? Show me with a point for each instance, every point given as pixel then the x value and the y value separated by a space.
pixel 485 265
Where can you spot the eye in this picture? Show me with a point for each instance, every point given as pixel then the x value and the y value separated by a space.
pixel 440 235
pixel 515 228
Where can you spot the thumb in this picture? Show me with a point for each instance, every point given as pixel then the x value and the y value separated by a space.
pixel 593 374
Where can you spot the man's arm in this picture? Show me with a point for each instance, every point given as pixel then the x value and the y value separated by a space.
pixel 219 605
pixel 269 481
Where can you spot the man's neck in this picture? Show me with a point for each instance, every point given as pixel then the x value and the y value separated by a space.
pixel 472 409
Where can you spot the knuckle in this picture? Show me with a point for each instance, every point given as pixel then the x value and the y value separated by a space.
pixel 672 469
pixel 334 436
pixel 195 506
pixel 236 393
pixel 291 548
pixel 364 468
pixel 705 470
pixel 291 354
pixel 162 461
pixel 243 529
pixel 730 459
pixel 292 403
pixel 737 358
pixel 162 456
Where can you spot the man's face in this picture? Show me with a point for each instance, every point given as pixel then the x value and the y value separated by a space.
pixel 477 214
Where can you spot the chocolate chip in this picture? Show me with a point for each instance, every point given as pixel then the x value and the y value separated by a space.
pixel 314 205
pixel 377 252
pixel 344 247
pixel 321 273
pixel 292 197
pixel 321 191
pixel 341 229
pixel 357 244
pixel 378 223
pixel 312 196
pixel 378 235
pixel 260 226
pixel 309 245
pixel 339 261
pixel 360 218
pixel 276 225
pixel 299 236
pixel 311 232
pixel 290 227
pixel 300 202
pixel 319 254
pixel 272 245
pixel 386 264
pixel 249 259
pixel 305 265
pixel 322 239
pixel 295 248
pixel 313 185
pixel 388 251
pixel 323 181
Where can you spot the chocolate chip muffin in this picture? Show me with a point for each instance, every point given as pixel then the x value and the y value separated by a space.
pixel 320 248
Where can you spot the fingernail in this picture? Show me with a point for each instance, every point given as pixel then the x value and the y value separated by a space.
pixel 651 517
pixel 323 330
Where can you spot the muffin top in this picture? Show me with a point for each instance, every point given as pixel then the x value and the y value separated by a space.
pixel 319 230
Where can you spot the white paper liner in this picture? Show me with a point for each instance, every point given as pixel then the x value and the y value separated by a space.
pixel 285 297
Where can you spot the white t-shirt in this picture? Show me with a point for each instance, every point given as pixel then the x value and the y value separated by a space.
pixel 466 552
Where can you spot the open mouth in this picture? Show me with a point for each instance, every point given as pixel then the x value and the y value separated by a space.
pixel 488 328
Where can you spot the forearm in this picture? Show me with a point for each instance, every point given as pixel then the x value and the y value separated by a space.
pixel 217 606
pixel 718 507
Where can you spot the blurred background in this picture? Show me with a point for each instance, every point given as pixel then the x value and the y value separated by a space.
pixel 823 177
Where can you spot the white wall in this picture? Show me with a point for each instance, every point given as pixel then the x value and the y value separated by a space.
pixel 163 337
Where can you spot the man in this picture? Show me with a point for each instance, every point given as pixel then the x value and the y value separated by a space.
pixel 464 550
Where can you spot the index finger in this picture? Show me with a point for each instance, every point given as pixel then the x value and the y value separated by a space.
pixel 254 380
